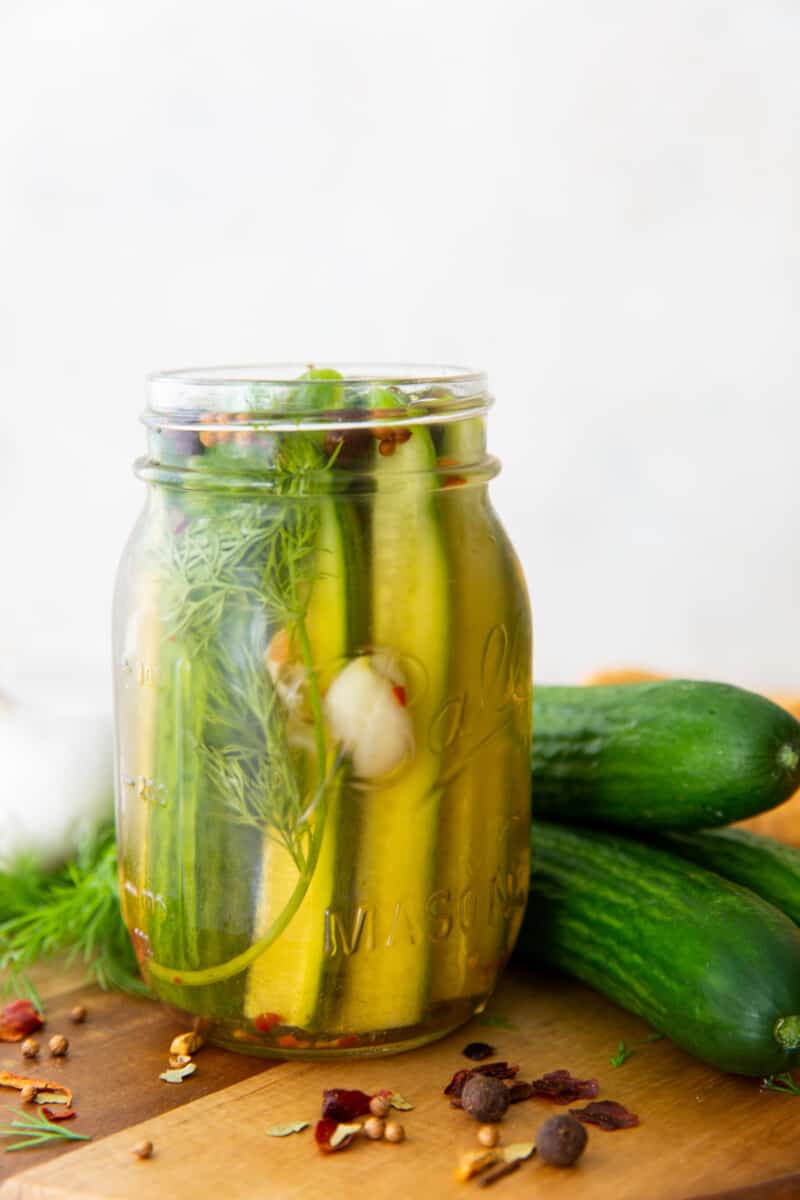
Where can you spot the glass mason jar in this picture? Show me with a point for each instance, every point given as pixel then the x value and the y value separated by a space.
pixel 322 658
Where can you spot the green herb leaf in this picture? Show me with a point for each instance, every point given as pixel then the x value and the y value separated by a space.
pixel 38 1131
pixel 497 1022
pixel 179 1074
pixel 781 1083
pixel 285 1130
pixel 622 1055
pixel 400 1103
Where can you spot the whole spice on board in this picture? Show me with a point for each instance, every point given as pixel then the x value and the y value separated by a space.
pixel 30 1048
pixel 18 1019
pixel 485 1098
pixel 374 1128
pixel 563 1088
pixel 78 1014
pixel 478 1051
pixel 56 1093
pixel 186 1043
pixel 608 1114
pixel 341 1104
pixel 394 1132
pixel 379 1105
pixel 561 1141
pixel 489 1136
pixel 498 1070
pixel 58 1045
pixel 143 1149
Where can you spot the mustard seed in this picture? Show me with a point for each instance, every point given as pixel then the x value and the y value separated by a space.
pixel 58 1045
pixel 29 1048
pixel 489 1135
pixel 374 1128
pixel 394 1132
pixel 379 1106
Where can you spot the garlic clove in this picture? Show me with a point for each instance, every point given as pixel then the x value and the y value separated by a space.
pixel 367 716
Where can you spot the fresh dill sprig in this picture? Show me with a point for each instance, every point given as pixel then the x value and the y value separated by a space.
pixel 622 1055
pixel 783 1082
pixel 38 1131
pixel 73 910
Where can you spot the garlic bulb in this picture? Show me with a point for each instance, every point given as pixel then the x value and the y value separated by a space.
pixel 366 714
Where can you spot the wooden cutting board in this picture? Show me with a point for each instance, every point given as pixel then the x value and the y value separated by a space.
pixel 701 1132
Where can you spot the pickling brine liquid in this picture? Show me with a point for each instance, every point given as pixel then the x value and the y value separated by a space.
pixel 322 666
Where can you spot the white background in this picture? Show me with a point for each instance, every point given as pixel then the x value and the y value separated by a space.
pixel 598 202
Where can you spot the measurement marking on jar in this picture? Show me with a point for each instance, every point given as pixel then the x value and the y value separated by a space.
pixel 149 790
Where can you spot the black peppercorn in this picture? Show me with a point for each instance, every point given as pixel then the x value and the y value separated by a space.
pixel 485 1098
pixel 561 1141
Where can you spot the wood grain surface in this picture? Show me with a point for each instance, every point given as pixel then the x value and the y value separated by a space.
pixel 702 1133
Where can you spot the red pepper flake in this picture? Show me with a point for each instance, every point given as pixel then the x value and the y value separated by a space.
pixel 58 1114
pixel 563 1088
pixel 608 1114
pixel 499 1070
pixel 399 693
pixel 264 1022
pixel 339 1104
pixel 19 1019
pixel 290 1042
pixel 324 1131
pixel 177 979
pixel 349 1039
pixel 453 481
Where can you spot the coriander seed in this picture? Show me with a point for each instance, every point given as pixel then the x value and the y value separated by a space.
pixel 143 1149
pixel 394 1132
pixel 28 1094
pixel 379 1106
pixel 489 1135
pixel 78 1014
pixel 374 1128
pixel 29 1048
pixel 58 1045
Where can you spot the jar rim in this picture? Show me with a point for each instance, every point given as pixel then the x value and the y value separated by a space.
pixel 277 395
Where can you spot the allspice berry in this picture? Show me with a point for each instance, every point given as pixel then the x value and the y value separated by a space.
pixel 143 1149
pixel 379 1106
pixel 374 1128
pixel 394 1132
pixel 78 1014
pixel 29 1048
pixel 485 1098
pixel 489 1136
pixel 561 1141
pixel 58 1045
pixel 28 1094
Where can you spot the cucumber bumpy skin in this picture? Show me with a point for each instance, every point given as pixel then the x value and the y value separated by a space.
pixel 677 754
pixel 704 961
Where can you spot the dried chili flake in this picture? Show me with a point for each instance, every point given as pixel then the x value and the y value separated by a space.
pixel 55 1090
pixel 399 693
pixel 264 1022
pixel 519 1091
pixel 563 1088
pixel 331 1136
pixel 290 1041
pixel 499 1070
pixel 608 1114
pixel 477 1051
pixel 19 1019
pixel 63 1114
pixel 339 1104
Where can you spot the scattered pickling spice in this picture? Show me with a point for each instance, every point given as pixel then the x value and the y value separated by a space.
pixel 478 1051
pixel 399 1102
pixel 342 1104
pixel 563 1088
pixel 519 1091
pixel 518 1151
pixel 55 1093
pixel 186 1043
pixel 332 1136
pixel 180 1074
pixel 60 1114
pixel 143 1149
pixel 561 1141
pixel 58 1045
pixel 608 1114
pixel 472 1162
pixel 287 1128
pixel 176 1061
pixel 266 1021
pixel 18 1019
pixel 78 1014
pixel 485 1098
pixel 506 1168
pixel 27 1094
pixel 499 1070
pixel 394 1132
pixel 374 1128
pixel 488 1136
pixel 30 1048
pixel 379 1105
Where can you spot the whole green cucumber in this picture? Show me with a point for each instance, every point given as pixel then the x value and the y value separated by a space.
pixel 676 754
pixel 702 960
pixel 765 866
